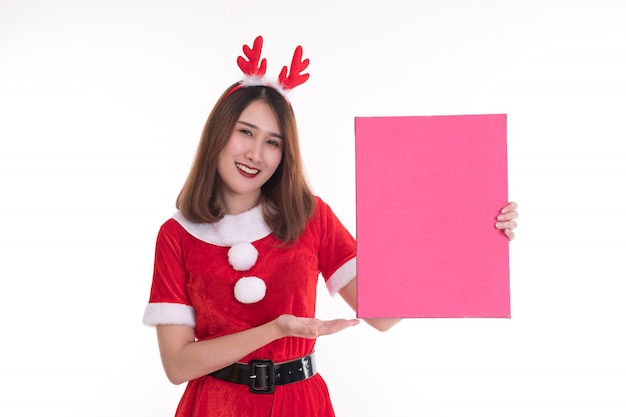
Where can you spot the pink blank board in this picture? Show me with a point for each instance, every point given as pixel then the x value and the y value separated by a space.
pixel 428 190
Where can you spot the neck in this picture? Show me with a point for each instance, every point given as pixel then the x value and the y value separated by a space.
pixel 235 204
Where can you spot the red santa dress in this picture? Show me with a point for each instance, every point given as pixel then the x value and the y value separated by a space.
pixel 228 276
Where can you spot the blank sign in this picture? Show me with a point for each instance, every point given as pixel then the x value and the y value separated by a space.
pixel 428 191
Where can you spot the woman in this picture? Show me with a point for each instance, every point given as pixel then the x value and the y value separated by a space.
pixel 236 269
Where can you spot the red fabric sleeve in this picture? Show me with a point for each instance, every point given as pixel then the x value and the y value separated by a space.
pixel 169 283
pixel 337 250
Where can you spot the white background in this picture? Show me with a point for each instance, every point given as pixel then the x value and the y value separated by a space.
pixel 101 108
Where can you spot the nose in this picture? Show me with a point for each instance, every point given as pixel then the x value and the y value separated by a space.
pixel 254 151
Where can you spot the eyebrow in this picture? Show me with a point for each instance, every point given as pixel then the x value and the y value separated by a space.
pixel 276 135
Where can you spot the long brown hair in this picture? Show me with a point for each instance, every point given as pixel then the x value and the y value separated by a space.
pixel 286 197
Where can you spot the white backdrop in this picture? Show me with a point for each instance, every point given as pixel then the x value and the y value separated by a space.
pixel 101 107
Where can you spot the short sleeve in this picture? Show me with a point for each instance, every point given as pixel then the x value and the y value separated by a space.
pixel 337 252
pixel 169 301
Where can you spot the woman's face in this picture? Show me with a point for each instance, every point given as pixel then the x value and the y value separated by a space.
pixel 250 157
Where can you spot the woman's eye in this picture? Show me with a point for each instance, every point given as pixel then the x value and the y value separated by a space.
pixel 246 132
pixel 274 143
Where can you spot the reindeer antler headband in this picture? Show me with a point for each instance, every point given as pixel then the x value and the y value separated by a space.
pixel 254 70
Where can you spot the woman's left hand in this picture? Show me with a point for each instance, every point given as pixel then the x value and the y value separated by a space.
pixel 506 220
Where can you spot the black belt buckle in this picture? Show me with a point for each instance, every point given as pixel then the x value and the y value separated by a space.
pixel 261 376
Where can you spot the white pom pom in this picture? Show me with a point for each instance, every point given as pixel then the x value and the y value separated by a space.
pixel 242 256
pixel 250 290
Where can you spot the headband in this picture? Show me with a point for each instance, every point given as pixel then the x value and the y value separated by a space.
pixel 253 68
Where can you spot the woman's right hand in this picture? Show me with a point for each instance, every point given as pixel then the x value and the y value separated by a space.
pixel 310 328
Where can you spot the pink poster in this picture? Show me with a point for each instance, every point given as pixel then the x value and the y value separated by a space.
pixel 428 190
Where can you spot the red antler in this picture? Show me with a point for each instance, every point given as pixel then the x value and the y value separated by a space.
pixel 297 66
pixel 252 67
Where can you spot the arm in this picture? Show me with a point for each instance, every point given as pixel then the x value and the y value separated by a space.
pixel 506 223
pixel 185 359
pixel 348 293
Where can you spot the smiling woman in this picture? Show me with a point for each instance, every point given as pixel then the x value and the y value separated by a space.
pixel 236 269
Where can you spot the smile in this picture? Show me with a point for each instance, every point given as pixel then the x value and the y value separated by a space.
pixel 247 169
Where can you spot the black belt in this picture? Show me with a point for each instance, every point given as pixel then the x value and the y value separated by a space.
pixel 263 375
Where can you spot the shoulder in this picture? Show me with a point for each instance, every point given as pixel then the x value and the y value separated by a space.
pixel 323 215
pixel 171 234
pixel 171 227
pixel 321 207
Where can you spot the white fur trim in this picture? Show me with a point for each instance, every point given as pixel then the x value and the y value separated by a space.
pixel 250 290
pixel 342 277
pixel 169 313
pixel 253 81
pixel 242 256
pixel 248 226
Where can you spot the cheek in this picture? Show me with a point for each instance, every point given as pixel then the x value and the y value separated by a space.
pixel 222 158
pixel 234 146
pixel 276 158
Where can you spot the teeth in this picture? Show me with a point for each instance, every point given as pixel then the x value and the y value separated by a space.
pixel 247 170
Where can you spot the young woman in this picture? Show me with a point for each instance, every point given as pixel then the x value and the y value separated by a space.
pixel 236 268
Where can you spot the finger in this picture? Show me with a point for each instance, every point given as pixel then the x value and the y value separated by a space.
pixel 334 326
pixel 340 324
pixel 508 216
pixel 510 234
pixel 512 206
pixel 506 225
